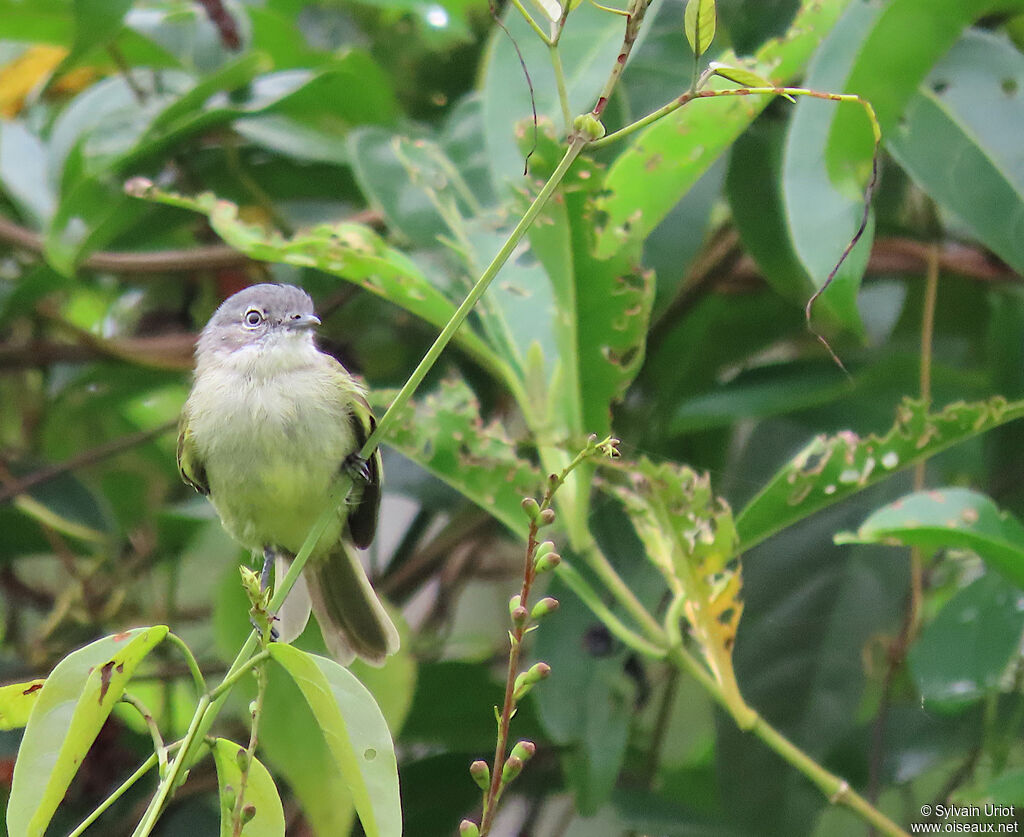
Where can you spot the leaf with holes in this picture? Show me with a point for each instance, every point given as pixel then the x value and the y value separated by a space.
pixel 832 468
pixel 699 21
pixel 72 705
pixel 445 434
pixel 690 535
pixel 262 813
pixel 356 735
pixel 949 518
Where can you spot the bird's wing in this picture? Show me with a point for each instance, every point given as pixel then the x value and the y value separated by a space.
pixel 190 466
pixel 362 517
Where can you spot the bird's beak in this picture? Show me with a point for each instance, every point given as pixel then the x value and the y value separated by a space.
pixel 303 322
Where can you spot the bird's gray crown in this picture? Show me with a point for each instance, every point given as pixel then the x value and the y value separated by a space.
pixel 274 306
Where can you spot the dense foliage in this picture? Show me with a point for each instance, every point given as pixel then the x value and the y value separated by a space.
pixel 758 632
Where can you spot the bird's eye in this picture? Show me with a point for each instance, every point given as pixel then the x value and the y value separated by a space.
pixel 253 318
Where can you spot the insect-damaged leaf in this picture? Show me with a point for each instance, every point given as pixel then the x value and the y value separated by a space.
pixel 690 535
pixel 445 434
pixel 832 468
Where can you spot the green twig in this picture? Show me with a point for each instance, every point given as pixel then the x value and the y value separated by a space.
pixel 532 23
pixel 123 788
pixel 690 95
pixel 159 749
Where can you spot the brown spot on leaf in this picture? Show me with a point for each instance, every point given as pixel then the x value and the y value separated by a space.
pixel 106 672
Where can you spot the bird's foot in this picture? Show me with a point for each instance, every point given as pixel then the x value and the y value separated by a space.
pixel 356 466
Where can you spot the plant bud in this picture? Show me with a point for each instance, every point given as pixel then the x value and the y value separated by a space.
pixel 524 750
pixel 513 767
pixel 468 828
pixel 547 562
pixel 248 812
pixel 242 759
pixel 547 517
pixel 544 607
pixel 481 774
pixel 531 507
pixel 527 679
pixel 544 548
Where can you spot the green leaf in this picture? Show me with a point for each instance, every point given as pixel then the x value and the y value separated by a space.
pixel 902 46
pixel 409 179
pixel 613 296
pixel 949 518
pixel 742 77
pixel 969 111
pixel 299 126
pixel 699 22
pixel 24 175
pixel 445 434
pixel 662 162
pixel 260 792
pixel 832 468
pixel 356 735
pixel 17 701
pixel 71 707
pixel 962 656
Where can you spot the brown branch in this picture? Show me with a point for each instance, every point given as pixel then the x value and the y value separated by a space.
pixel 166 351
pixel 186 260
pixel 210 257
pixel 85 458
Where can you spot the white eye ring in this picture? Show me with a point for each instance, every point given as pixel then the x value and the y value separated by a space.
pixel 253 317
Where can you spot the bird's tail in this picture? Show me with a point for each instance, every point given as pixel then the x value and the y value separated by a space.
pixel 352 619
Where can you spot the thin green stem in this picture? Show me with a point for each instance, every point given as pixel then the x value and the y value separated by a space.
pixel 602 567
pixel 837 790
pixel 190 661
pixel 121 790
pixel 502 256
pixel 563 93
pixel 229 681
pixel 154 731
pixel 170 779
pixel 533 23
pixel 690 95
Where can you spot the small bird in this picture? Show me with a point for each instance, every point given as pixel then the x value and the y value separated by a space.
pixel 268 430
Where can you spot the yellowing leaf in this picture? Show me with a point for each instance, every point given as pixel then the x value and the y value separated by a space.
pixel 22 75
pixel 690 536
